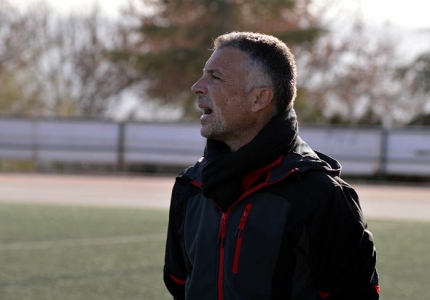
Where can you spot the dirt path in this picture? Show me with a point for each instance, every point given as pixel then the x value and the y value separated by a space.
pixel 378 201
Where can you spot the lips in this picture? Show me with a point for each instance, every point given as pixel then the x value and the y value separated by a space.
pixel 207 110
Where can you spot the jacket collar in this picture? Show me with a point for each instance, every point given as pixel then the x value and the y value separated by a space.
pixel 220 172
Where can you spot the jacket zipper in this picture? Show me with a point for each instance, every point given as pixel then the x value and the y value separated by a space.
pixel 221 239
pixel 239 236
pixel 222 231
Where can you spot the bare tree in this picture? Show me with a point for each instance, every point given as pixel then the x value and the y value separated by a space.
pixel 18 88
pixel 79 77
pixel 60 66
pixel 349 76
pixel 415 77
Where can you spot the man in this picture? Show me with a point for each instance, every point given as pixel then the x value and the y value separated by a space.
pixel 262 215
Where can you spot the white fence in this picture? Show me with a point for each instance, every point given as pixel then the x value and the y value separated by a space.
pixel 361 151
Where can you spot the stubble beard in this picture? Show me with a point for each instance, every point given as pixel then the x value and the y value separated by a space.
pixel 213 129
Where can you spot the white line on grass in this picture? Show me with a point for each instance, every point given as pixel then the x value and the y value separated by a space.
pixel 82 242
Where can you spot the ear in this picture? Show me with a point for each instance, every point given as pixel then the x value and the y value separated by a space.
pixel 262 98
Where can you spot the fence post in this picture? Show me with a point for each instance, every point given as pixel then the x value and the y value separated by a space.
pixel 35 144
pixel 383 156
pixel 120 165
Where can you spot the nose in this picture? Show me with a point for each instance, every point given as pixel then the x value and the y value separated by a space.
pixel 199 88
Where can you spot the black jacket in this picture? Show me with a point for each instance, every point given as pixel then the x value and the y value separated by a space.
pixel 272 220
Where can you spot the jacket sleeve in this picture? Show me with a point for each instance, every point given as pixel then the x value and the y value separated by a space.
pixel 342 251
pixel 175 272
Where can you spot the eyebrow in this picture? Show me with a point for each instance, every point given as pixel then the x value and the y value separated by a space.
pixel 212 71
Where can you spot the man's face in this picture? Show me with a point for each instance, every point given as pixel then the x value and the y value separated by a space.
pixel 223 97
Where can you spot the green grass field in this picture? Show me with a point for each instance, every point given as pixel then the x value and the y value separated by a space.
pixel 64 252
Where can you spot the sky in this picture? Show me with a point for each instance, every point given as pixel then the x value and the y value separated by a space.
pixel 410 14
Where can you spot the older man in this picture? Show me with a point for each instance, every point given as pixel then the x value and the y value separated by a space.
pixel 261 215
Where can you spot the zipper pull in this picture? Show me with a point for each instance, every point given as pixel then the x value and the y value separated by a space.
pixel 242 222
pixel 221 235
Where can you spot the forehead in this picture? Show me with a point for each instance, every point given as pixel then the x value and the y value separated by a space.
pixel 226 60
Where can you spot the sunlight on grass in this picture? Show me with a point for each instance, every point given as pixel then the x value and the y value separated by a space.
pixel 57 260
pixel 403 258
pixel 66 252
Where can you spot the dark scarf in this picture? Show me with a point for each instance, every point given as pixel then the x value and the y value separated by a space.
pixel 223 170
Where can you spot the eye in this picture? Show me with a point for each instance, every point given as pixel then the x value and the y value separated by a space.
pixel 215 77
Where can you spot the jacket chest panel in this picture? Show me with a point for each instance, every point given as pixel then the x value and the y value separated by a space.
pixel 253 232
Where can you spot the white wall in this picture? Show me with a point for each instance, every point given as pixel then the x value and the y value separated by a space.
pixel 360 150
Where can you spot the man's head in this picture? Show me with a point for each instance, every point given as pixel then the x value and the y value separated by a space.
pixel 271 59
pixel 249 78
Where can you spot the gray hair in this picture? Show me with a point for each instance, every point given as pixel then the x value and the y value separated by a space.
pixel 271 58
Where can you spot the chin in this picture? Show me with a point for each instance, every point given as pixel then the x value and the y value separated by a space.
pixel 204 132
pixel 207 133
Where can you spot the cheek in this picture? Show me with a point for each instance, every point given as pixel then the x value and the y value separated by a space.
pixel 237 106
pixel 221 103
pixel 230 104
pixel 233 113
pixel 233 99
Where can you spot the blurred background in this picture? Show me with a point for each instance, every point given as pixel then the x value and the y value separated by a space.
pixel 93 88
pixel 76 76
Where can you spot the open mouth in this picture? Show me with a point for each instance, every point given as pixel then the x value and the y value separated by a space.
pixel 207 111
pixel 205 106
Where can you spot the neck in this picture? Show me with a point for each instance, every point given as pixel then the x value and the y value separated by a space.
pixel 244 137
pixel 239 142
